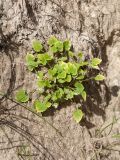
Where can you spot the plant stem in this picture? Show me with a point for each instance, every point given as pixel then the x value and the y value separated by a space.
pixel 31 110
pixel 91 78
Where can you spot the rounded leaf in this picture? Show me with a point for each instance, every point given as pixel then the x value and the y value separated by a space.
pixel 61 75
pixel 59 93
pixel 31 63
pixel 68 78
pixel 37 46
pixel 44 58
pixel 70 95
pixel 80 77
pixel 99 77
pixel 96 61
pixel 41 83
pixel 71 54
pixel 59 46
pixel 48 104
pixel 52 40
pixel 80 55
pixel 54 97
pixel 40 106
pixel 53 49
pixel 78 115
pixel 61 80
pixel 72 69
pixel 83 94
pixel 30 57
pixel 21 96
pixel 40 75
pixel 78 88
pixel 47 97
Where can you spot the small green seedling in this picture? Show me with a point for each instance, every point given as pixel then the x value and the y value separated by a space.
pixel 60 75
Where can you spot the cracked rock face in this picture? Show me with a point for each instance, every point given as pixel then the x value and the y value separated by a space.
pixel 93 26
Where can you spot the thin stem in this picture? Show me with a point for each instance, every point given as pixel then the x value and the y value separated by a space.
pixel 31 110
pixel 91 78
pixel 112 123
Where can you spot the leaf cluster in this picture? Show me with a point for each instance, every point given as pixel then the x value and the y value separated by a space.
pixel 60 74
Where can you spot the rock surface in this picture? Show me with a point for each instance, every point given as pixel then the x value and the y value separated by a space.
pixel 93 26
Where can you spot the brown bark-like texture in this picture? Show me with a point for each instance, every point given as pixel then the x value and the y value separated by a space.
pixel 93 27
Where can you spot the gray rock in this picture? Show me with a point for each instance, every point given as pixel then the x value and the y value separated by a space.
pixel 94 28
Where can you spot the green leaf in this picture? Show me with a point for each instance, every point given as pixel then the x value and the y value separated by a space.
pixel 62 59
pixel 61 80
pixel 22 96
pixel 47 97
pixel 80 55
pixel 48 104
pixel 78 88
pixel 80 77
pixel 83 94
pixel 78 115
pixel 72 69
pixel 96 61
pixel 48 57
pixel 56 47
pixel 40 75
pixel 30 57
pixel 52 72
pixel 66 90
pixel 41 83
pixel 52 40
pixel 53 49
pixel 31 68
pixel 71 54
pixel 61 75
pixel 58 67
pixel 44 83
pixel 83 63
pixel 59 93
pixel 30 61
pixel 77 65
pixel 63 66
pixel 99 77
pixel 94 67
pixel 40 106
pixel 68 78
pixel 54 97
pixel 82 72
pixel 47 83
pixel 66 45
pixel 70 95
pixel 59 46
pixel 44 58
pixel 37 46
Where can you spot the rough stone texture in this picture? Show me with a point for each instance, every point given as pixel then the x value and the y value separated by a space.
pixel 93 26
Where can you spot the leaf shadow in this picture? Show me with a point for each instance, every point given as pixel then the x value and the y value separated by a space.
pixel 95 103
